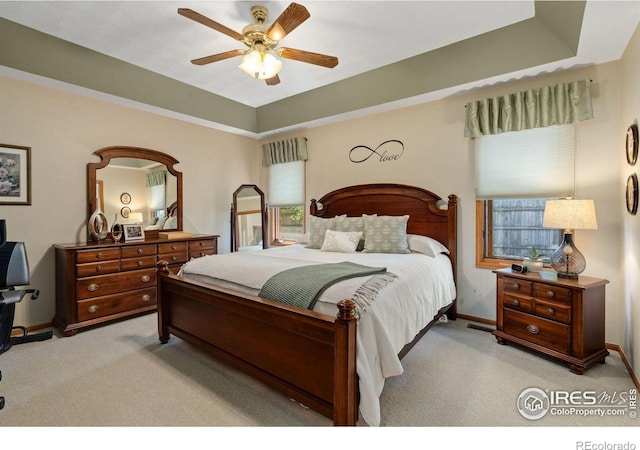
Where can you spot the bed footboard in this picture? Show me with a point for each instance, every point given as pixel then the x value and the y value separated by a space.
pixel 308 356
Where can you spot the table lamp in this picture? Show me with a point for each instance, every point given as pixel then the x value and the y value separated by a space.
pixel 135 217
pixel 569 214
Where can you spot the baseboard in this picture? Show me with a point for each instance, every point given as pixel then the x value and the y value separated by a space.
pixel 616 348
pixel 612 347
pixel 18 332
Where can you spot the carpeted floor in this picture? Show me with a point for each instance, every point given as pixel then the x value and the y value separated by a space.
pixel 120 375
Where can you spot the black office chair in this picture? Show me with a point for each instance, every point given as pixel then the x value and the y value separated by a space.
pixel 14 271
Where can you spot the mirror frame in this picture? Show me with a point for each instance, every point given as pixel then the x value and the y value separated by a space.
pixel 107 153
pixel 234 217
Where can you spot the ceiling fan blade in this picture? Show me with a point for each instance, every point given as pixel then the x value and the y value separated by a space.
pixel 191 14
pixel 217 57
pixel 288 21
pixel 273 80
pixel 309 57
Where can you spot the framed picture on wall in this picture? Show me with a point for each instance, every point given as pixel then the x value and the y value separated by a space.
pixel 133 232
pixel 15 175
pixel 631 144
pixel 632 194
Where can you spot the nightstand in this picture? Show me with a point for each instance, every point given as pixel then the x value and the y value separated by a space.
pixel 561 318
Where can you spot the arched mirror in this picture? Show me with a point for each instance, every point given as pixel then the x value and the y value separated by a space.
pixel 137 185
pixel 248 219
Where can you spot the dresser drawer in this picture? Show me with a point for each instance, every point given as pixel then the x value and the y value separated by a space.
pixel 540 331
pixel 90 269
pixel 518 302
pixel 172 247
pixel 138 263
pixel 515 285
pixel 554 311
pixel 97 254
pixel 113 304
pixel 201 245
pixel 174 258
pixel 202 252
pixel 550 292
pixel 114 283
pixel 138 250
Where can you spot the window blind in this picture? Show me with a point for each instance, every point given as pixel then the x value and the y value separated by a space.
pixel 286 184
pixel 536 163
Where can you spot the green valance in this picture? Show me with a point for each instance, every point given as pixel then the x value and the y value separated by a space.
pixel 560 104
pixel 287 150
pixel 156 178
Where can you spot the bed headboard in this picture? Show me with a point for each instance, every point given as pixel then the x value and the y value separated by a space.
pixel 425 217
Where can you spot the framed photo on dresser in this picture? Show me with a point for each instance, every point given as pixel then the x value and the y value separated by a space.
pixel 133 232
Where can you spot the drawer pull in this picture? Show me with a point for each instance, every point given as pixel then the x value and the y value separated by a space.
pixel 551 294
pixel 551 311
pixel 516 302
pixel 201 244
pixel 173 247
pixel 533 329
pixel 145 278
pixel 93 309
pixel 99 269
pixel 146 298
pixel 516 286
pixel 92 287
pixel 139 251
pixel 139 263
pixel 99 255
pixel 202 254
pixel 174 258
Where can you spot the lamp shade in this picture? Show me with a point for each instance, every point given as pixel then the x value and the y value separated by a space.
pixel 135 217
pixel 570 214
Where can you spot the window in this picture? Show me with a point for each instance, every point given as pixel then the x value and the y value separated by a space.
pixel 286 197
pixel 515 174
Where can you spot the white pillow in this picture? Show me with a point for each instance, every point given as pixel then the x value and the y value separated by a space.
pixel 171 223
pixel 425 245
pixel 341 241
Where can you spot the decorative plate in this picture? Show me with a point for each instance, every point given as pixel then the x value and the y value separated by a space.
pixel 125 198
pixel 632 144
pixel 125 211
pixel 632 194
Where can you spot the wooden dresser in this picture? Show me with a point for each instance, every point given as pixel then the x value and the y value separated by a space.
pixel 560 318
pixel 101 282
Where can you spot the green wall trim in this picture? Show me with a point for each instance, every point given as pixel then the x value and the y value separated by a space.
pixel 552 35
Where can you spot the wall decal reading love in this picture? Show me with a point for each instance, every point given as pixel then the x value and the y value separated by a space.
pixel 390 150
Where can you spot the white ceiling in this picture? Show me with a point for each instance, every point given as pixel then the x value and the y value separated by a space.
pixel 364 35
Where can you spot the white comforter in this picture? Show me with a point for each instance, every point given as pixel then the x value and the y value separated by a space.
pixel 402 308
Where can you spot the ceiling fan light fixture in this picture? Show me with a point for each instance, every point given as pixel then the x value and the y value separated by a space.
pixel 260 64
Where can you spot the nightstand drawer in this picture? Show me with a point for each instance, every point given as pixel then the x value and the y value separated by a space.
pixel 520 286
pixel 547 333
pixel 554 311
pixel 518 302
pixel 549 292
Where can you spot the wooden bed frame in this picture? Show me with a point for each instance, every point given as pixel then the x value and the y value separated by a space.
pixel 308 356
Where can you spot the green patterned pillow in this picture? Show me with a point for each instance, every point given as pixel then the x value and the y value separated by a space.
pixel 347 224
pixel 317 229
pixel 385 234
pixel 341 241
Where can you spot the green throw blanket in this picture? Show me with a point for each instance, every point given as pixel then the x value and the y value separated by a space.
pixel 302 286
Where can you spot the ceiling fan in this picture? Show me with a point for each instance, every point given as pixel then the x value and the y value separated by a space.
pixel 260 59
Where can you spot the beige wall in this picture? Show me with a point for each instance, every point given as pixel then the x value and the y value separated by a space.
pixel 63 130
pixel 438 157
pixel 630 232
